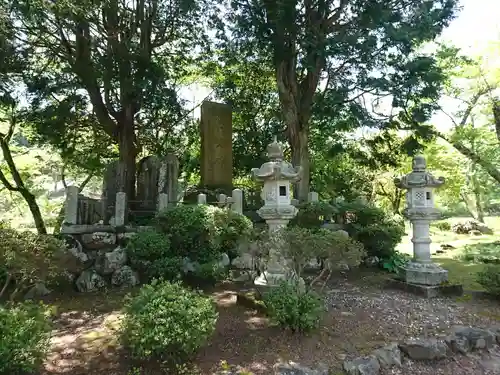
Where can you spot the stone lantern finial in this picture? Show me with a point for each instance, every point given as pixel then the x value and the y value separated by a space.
pixel 419 164
pixel 274 150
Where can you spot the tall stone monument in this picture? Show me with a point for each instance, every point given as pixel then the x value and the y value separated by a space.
pixel 420 210
pixel 216 145
pixel 278 210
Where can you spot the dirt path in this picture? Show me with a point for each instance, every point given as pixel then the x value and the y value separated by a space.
pixel 359 319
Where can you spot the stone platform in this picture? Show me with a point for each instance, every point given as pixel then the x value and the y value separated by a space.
pixel 427 291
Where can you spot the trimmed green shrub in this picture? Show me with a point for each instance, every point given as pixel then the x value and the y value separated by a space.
pixel 24 337
pixel 489 278
pixel 293 308
pixel 378 232
pixel 312 215
pixel 167 321
pixel 151 255
pixel 229 228
pixel 201 232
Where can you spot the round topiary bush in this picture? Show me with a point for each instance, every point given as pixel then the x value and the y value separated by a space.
pixel 151 255
pixel 167 321
pixel 489 278
pixel 293 308
pixel 24 337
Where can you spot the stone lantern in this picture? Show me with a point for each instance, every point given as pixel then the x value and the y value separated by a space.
pixel 420 210
pixel 277 176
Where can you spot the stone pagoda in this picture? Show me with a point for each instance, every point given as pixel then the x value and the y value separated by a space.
pixel 277 176
pixel 420 210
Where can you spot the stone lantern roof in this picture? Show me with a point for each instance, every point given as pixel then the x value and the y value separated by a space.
pixel 418 177
pixel 276 168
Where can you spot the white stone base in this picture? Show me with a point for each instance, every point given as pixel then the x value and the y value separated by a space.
pixel 423 274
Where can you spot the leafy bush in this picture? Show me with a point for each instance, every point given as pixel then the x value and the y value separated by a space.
pixel 229 228
pixel 167 321
pixel 489 278
pixel 29 258
pixel 312 215
pixel 150 253
pixel 442 225
pixel 201 232
pixel 292 308
pixel 482 253
pixel 300 245
pixel 378 232
pixel 25 335
pixel 395 262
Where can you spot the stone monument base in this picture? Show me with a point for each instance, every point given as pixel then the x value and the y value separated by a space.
pixel 423 274
pixel 427 291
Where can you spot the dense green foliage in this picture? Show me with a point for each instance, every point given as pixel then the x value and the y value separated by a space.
pixel 201 232
pixel 167 321
pixel 151 255
pixel 292 308
pixel 489 278
pixel 28 258
pixel 25 338
pixel 375 229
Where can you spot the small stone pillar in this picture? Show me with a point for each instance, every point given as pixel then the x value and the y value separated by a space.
pixel 71 205
pixel 237 201
pixel 420 210
pixel 277 175
pixel 162 202
pixel 202 198
pixel 120 209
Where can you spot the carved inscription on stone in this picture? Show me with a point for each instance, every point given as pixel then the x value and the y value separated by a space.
pixel 216 145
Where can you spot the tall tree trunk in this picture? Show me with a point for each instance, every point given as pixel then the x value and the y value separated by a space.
pixel 18 182
pixel 35 211
pixel 300 157
pixel 128 153
pixel 474 157
pixel 476 189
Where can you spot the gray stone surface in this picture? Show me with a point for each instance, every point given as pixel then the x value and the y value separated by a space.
pixel 423 273
pixel 388 356
pixel 477 338
pixel 362 366
pixel 425 349
pixel 292 368
pixel 125 276
pixel 37 290
pixel 89 281
pixel 98 240
pixel 458 344
pixel 224 260
pixel 107 263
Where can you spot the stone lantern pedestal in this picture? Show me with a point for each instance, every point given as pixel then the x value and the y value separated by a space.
pixel 421 274
pixel 277 175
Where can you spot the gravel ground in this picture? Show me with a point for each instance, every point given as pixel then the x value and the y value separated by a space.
pixel 361 317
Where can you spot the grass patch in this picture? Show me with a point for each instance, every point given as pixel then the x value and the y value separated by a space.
pixel 488 252
pixel 461 272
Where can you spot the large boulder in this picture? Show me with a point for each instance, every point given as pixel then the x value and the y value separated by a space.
pixel 292 368
pixel 425 349
pixel 89 281
pixel 108 262
pixel 389 356
pixel 477 338
pixel 37 290
pixel 125 276
pixel 362 366
pixel 471 226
